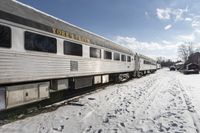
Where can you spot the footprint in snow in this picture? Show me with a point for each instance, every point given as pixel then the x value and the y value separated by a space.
pixel 106 120
pixel 178 117
pixel 99 131
pixel 150 131
pixel 115 130
pixel 89 129
pixel 122 124
pixel 60 129
pixel 174 104
pixel 173 124
pixel 181 126
pixel 91 98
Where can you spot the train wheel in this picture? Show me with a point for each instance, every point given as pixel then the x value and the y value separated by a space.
pixel 123 77
pixel 139 75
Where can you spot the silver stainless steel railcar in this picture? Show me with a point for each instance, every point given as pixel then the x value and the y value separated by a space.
pixel 40 54
pixel 147 65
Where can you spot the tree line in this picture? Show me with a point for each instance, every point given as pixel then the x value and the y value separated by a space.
pixel 187 54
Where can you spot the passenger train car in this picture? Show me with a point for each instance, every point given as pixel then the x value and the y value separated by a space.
pixel 40 54
pixel 146 64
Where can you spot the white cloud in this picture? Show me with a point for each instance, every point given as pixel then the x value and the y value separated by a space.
pixel 196 22
pixel 192 37
pixel 167 27
pixel 165 48
pixel 163 13
pixel 169 13
pixel 179 13
pixel 188 19
pixel 152 49
pixel 166 42
pixel 188 37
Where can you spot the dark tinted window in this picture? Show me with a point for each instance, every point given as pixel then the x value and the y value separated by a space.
pixel 5 36
pixel 148 62
pixel 37 42
pixel 128 59
pixel 95 53
pixel 71 48
pixel 116 56
pixel 123 58
pixel 107 55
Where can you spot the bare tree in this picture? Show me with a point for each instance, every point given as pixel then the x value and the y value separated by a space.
pixel 160 59
pixel 164 62
pixel 185 50
pixel 197 50
pixel 190 48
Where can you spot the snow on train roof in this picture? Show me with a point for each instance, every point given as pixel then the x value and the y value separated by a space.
pixel 19 9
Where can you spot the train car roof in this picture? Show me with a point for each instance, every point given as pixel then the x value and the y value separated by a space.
pixel 12 10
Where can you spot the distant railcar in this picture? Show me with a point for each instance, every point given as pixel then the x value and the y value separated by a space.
pixel 40 54
pixel 144 65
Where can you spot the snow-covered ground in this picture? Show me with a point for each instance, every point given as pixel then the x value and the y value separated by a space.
pixel 161 102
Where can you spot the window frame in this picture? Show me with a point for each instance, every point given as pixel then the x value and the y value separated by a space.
pixel 10 37
pixel 75 46
pixel 105 51
pixel 94 48
pixel 148 62
pixel 123 56
pixel 127 59
pixel 41 35
pixel 116 53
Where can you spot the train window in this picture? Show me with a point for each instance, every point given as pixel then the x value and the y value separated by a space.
pixel 71 48
pixel 107 55
pixel 95 53
pixel 116 56
pixel 123 57
pixel 37 42
pixel 5 36
pixel 147 62
pixel 128 59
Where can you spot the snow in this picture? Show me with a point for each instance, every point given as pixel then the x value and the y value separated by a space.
pixel 161 102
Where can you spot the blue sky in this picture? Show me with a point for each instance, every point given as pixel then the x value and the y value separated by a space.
pixel 152 27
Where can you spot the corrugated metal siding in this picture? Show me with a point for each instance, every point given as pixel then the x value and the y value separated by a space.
pixel 21 67
pixel 147 67
pixel 18 67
